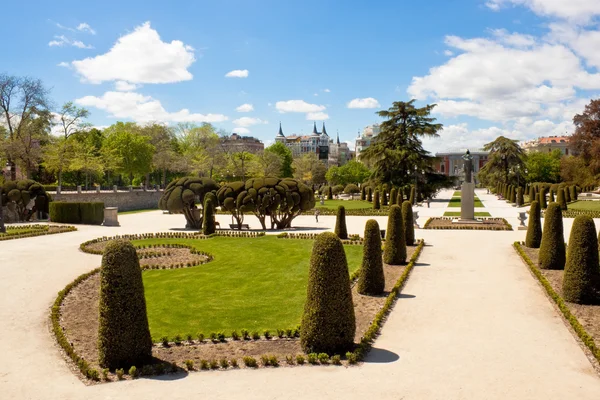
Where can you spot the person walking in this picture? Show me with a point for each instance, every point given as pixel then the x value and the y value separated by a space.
pixel 428 201
pixel 317 212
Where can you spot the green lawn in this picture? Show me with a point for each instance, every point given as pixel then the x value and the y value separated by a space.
pixel 137 211
pixel 457 214
pixel 252 283
pixel 455 202
pixel 585 205
pixel 348 204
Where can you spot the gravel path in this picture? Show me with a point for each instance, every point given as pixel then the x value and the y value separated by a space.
pixel 469 325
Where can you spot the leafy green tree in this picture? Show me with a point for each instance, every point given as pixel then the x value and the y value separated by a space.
pixel 309 169
pixel 285 155
pixel 167 153
pixel 543 167
pixel 182 194
pixel 586 139
pixel 133 150
pixel 201 149
pixel 265 164
pixel 351 172
pixel 505 156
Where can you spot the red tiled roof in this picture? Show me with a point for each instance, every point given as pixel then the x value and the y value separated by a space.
pixel 554 139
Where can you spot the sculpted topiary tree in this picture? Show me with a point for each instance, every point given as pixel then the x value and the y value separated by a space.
pixel 363 193
pixel 328 322
pixel 371 280
pixel 573 193
pixel 393 196
pixel 520 198
pixel 400 198
pixel 567 191
pixel 551 198
pixel 26 196
pixel 376 205
pixel 581 279
pixel 560 199
pixel 329 193
pixel 534 229
pixel 208 221
pixel 123 334
pixel 228 195
pixel 340 223
pixel 395 243
pixel 552 250
pixel 182 195
pixel 409 226
pixel 352 189
pixel 543 204
pixel 369 195
pixel 384 200
pixel 412 195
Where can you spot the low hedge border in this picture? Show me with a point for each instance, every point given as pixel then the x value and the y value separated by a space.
pixel 37 230
pixel 506 227
pixel 570 213
pixel 352 239
pixel 562 305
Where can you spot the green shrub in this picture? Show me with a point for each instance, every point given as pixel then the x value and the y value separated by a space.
pixel 189 364
pixel 393 196
pixel 534 229
pixel 91 213
pixel 340 223
pixel 300 359
pixel 384 198
pixel 395 243
pixel 66 213
pixel 513 195
pixel 582 274
pixel 371 280
pixel 351 188
pixel 551 198
pixel 400 198
pixel 120 372
pixel 313 358
pixel 552 250
pixel 567 191
pixel 250 362
pixel 123 333
pixel 133 372
pixel 376 205
pixel 543 204
pixel 323 358
pixel 328 323
pixel 561 199
pixel 409 226
pixel 520 198
pixel 336 360
pixel 369 195
pixel 351 357
pixel 573 193
pixel 208 220
pixel 363 193
pixel 329 193
pixel 412 195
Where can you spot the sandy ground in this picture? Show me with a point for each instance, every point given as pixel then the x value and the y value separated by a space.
pixel 472 323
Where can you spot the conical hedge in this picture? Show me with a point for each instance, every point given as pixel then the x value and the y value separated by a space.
pixel 567 194
pixel 552 250
pixel 376 205
pixel 393 196
pixel 208 221
pixel 328 323
pixel 573 193
pixel 363 193
pixel 534 229
pixel 412 195
pixel 384 200
pixel 400 198
pixel 123 333
pixel 371 280
pixel 409 226
pixel 520 198
pixel 543 204
pixel 340 223
pixel 560 199
pixel 551 198
pixel 369 195
pixel 395 243
pixel 513 195
pixel 582 273
pixel 329 193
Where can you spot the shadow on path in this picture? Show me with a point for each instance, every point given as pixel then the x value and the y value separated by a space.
pixel 381 356
pixel 406 296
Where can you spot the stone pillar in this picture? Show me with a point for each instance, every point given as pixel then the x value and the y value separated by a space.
pixel 467 201
pixel 111 216
pixel 115 188
pixel 130 188
pixel 97 189
pixel 79 189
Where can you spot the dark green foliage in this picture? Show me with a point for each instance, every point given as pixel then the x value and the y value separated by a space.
pixel 340 223
pixel 376 205
pixel 208 220
pixel 542 196
pixel 393 196
pixel 329 193
pixel 534 229
pixel 552 249
pixel 351 188
pixel 513 195
pixel 384 199
pixel 77 213
pixel 520 198
pixel 371 280
pixel 551 198
pixel 123 334
pixel 181 195
pixel 527 188
pixel 369 195
pixel 400 198
pixel 576 192
pixel 567 191
pixel 363 193
pixel 91 213
pixel 328 323
pixel 572 193
pixel 395 243
pixel 409 226
pixel 581 279
pixel 21 192
pixel 412 195
pixel 561 200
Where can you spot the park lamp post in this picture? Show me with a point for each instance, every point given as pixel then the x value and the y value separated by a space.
pixel 416 188
pixel 2 226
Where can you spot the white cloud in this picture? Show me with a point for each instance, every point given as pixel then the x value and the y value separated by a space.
pixel 63 64
pixel 61 40
pixel 315 94
pixel 575 10
pixel 139 57
pixel 317 116
pixel 123 86
pixel 448 53
pixel 351 145
pixel 237 73
pixel 326 90
pixel 248 121
pixel 299 106
pixel 84 27
pixel 241 131
pixel 142 108
pixel 245 108
pixel 367 102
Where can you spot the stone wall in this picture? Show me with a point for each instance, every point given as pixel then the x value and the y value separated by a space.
pixel 126 201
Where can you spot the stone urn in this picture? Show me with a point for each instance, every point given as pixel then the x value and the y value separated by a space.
pixel 522 217
pixel 415 217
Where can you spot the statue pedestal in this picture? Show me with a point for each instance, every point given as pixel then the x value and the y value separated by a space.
pixel 467 205
pixel 111 216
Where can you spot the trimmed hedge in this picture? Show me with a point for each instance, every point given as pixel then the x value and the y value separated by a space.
pixel 393 196
pixel 520 198
pixel 363 194
pixel 395 242
pixel 412 195
pixel 534 229
pixel 409 225
pixel 77 213
pixel 208 221
pixel 552 249
pixel 340 223
pixel 542 195
pixel 376 205
pixel 369 195
pixel 371 280
pixel 328 322
pixel 582 274
pixel 123 333
pixel 561 199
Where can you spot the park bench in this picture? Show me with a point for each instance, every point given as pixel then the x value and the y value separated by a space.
pixel 236 226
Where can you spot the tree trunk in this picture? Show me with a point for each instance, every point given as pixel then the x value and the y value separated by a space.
pixel 164 179
pixel 60 177
pixel 147 183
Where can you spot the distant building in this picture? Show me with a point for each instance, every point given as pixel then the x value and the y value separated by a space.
pixel 236 143
pixel 548 144
pixel 363 141
pixel 452 163
pixel 318 143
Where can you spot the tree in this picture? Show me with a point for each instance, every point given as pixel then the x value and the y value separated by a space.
pixel 22 101
pixel 84 158
pixel 561 199
pixel 398 146
pixel 309 169
pixel 328 322
pixel 552 250
pixel 351 172
pixel 534 229
pixel 71 121
pixel 581 278
pixel 574 169
pixel 285 154
pixel 409 226
pixel 395 242
pixel 340 223
pixel 543 167
pixel 123 334
pixel 265 164
pixel 586 139
pixel 167 155
pixel 201 149
pixel 181 196
pixel 133 150
pixel 505 156
pixel 376 204
pixel 208 220
pixel 371 280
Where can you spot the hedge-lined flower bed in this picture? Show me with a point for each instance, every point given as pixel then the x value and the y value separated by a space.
pixel 560 302
pixel 505 226
pixel 352 239
pixel 570 213
pixel 16 232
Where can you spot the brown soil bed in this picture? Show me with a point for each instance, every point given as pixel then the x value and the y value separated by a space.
pixel 160 256
pixel 79 320
pixel 497 224
pixel 587 315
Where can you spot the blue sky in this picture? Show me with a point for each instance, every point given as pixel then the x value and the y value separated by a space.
pixel 521 68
